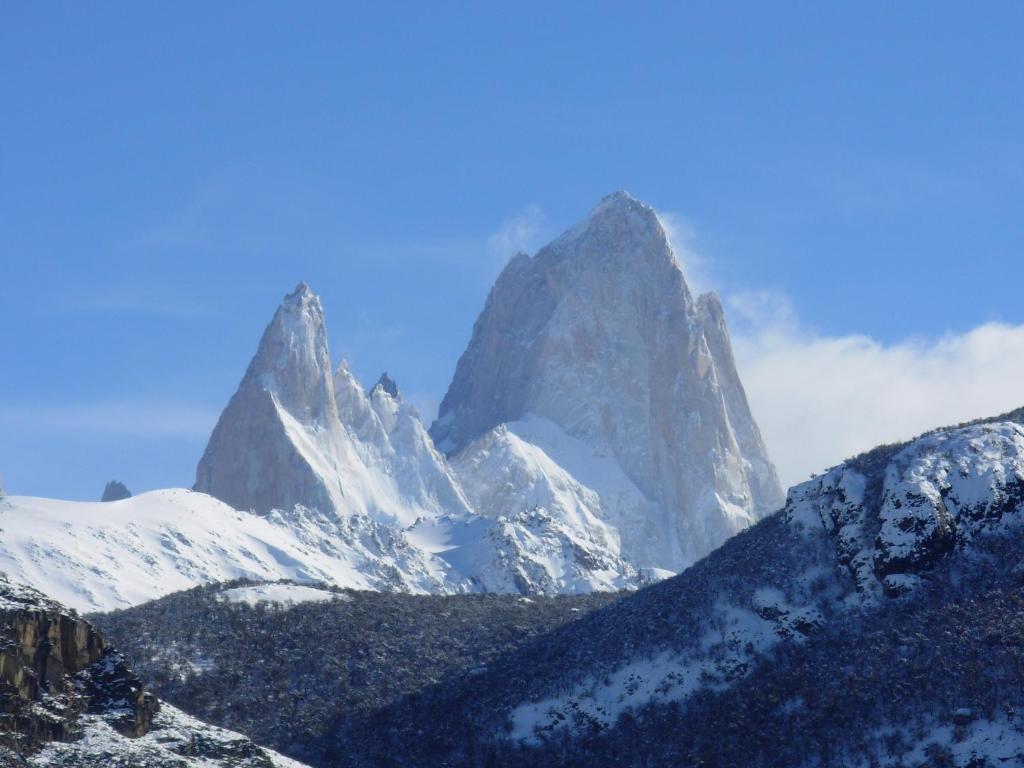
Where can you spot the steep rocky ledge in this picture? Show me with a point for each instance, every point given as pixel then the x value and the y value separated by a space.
pixel 69 700
pixel 55 667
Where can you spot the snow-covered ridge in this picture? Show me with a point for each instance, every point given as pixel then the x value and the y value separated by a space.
pixel 97 556
pixel 170 742
pixel 937 494
pixel 870 530
pixel 101 556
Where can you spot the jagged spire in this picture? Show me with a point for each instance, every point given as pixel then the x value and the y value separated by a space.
pixel 254 459
pixel 387 384
pixel 293 360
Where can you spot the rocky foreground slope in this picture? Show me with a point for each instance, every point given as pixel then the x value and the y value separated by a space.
pixel 67 698
pixel 875 621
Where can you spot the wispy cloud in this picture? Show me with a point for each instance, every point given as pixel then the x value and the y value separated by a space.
pixel 130 418
pixel 682 237
pixel 820 399
pixel 520 232
pixel 134 300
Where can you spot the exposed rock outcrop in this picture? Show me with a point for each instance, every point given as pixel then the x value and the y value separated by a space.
pixel 55 667
pixel 115 490
pixel 68 699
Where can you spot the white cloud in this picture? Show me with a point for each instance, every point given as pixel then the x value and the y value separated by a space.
pixel 820 399
pixel 135 419
pixel 682 237
pixel 519 232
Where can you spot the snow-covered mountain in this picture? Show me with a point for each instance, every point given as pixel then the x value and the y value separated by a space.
pixel 281 441
pixel 875 620
pixel 598 339
pixel 96 556
pixel 598 438
pixel 101 556
pixel 295 436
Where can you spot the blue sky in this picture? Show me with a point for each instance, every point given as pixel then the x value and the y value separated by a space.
pixel 853 172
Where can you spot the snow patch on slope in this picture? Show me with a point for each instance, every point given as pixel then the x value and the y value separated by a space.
pixel 175 739
pixel 100 556
pixel 935 495
pixel 282 594
pixel 725 652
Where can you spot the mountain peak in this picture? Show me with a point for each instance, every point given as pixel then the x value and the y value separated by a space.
pixel 254 459
pixel 599 335
pixel 619 225
pixel 387 384
pixel 302 291
pixel 621 203
pixel 293 360
pixel 115 490
pixel 618 199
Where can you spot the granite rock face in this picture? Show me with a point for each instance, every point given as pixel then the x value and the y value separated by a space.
pixel 599 335
pixel 294 434
pixel 67 698
pixel 279 443
pixel 55 667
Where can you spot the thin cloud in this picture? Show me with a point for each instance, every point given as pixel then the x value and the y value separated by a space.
pixel 682 237
pixel 521 232
pixel 134 301
pixel 130 418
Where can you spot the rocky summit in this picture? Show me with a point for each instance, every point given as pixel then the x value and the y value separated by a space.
pixel 595 352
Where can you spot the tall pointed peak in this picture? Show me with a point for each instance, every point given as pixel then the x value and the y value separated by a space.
pixel 302 291
pixel 300 310
pixel 386 384
pixel 293 360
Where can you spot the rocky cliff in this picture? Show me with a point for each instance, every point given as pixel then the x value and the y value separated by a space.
pixel 279 442
pixel 55 667
pixel 69 699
